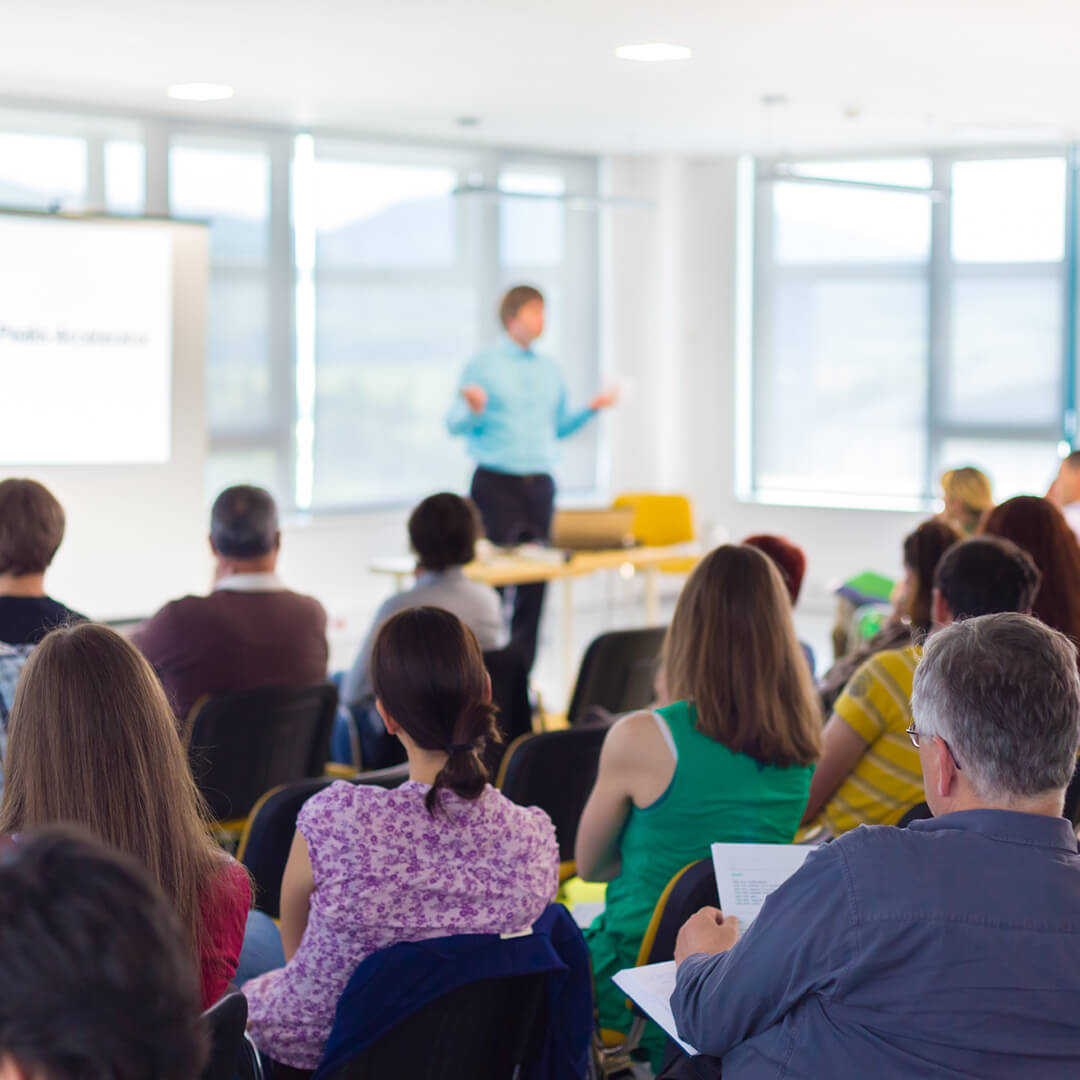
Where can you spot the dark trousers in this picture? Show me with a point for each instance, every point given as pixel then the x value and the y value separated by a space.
pixel 516 509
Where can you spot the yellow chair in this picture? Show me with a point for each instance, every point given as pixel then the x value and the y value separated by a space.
pixel 691 889
pixel 660 521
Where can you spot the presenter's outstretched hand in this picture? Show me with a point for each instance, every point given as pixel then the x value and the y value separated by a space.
pixel 475 397
pixel 604 400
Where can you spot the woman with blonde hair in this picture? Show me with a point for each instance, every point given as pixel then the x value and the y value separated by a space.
pixel 968 496
pixel 92 742
pixel 730 760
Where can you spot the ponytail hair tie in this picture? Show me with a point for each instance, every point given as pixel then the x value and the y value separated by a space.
pixel 461 747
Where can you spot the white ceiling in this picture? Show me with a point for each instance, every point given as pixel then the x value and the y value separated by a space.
pixel 855 73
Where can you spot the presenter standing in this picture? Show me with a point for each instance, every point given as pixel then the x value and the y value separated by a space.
pixel 512 410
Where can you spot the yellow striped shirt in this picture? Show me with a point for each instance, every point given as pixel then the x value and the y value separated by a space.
pixel 887 781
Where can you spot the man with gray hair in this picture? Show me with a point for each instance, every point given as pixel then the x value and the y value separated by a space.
pixel 251 631
pixel 950 948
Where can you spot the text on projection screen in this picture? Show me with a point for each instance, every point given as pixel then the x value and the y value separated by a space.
pixel 85 342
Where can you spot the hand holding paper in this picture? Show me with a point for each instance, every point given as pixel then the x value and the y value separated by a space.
pixel 709 931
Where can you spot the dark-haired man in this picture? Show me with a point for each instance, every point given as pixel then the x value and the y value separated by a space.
pixel 512 411
pixel 443 531
pixel 99 979
pixel 31 529
pixel 251 631
pixel 869 772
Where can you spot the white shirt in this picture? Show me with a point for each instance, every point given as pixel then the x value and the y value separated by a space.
pixel 267 581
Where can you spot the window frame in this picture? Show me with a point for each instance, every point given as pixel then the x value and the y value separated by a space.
pixel 940 272
pixel 157 132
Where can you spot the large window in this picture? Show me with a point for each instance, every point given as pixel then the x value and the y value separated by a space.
pixel 350 281
pixel 910 315
pixel 405 254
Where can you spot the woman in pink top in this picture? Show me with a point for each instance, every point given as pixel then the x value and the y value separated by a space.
pixel 443 854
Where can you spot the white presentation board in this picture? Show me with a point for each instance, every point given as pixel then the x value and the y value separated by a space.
pixel 85 341
pixel 115 428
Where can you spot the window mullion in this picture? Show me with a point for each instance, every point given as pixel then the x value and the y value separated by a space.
pixel 939 315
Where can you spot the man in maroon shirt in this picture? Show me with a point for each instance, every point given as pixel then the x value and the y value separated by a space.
pixel 251 631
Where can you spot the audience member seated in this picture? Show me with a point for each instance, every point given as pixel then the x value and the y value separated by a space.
pixel 1037 526
pixel 443 531
pixel 1064 492
pixel 869 773
pixel 731 760
pixel 97 982
pixel 251 631
pixel 945 949
pixel 910 622
pixel 790 560
pixel 31 529
pixel 968 496
pixel 92 741
pixel 443 854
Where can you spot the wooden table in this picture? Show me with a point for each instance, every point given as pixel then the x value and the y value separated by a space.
pixel 526 568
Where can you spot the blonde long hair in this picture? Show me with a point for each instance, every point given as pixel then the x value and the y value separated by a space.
pixel 92 742
pixel 731 649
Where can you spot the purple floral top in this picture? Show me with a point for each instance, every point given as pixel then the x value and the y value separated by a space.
pixel 386 871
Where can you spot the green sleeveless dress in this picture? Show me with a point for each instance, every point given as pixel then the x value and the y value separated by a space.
pixel 715 796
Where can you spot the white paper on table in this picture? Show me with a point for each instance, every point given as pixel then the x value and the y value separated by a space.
pixel 747 873
pixel 650 987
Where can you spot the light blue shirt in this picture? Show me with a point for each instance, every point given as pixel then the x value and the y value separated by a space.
pixel 526 411
pixel 948 949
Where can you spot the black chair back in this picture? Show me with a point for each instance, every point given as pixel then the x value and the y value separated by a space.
pixel 617 673
pixel 268 834
pixel 919 812
pixel 555 770
pixel 243 744
pixel 510 692
pixel 695 889
pixel 483 1030
pixel 226 1022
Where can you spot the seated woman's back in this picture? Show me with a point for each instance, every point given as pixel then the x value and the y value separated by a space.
pixel 443 854
pixel 92 741
pixel 730 760
pixel 713 796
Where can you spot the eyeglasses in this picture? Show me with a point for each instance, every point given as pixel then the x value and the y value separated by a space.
pixel 913 734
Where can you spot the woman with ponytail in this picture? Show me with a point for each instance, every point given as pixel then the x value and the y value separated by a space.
pixel 443 854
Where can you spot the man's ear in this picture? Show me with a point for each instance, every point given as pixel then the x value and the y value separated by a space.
pixel 277 541
pixel 10 1069
pixel 391 725
pixel 940 615
pixel 945 767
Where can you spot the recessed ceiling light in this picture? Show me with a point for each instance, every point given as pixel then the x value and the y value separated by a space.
pixel 200 91
pixel 653 52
